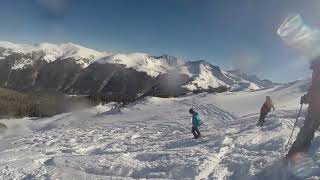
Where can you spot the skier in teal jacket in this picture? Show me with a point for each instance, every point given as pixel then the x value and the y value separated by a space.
pixel 195 123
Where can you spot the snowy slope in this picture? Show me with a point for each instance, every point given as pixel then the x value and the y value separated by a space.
pixel 152 139
pixel 53 52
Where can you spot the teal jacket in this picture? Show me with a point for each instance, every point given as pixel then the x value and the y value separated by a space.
pixel 196 120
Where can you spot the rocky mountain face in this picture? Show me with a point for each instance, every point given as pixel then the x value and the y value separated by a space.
pixel 264 83
pixel 73 69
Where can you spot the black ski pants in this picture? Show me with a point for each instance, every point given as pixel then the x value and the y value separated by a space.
pixel 195 131
pixel 263 116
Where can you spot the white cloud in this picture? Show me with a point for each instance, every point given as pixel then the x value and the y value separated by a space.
pixel 296 34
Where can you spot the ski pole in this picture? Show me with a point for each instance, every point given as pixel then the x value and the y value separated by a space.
pixel 286 147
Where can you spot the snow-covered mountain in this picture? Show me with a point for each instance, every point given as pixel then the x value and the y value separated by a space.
pixel 207 75
pixel 50 52
pixel 252 79
pixel 203 74
pixel 152 65
pixel 72 68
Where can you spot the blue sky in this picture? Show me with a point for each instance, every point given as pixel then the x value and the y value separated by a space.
pixel 228 33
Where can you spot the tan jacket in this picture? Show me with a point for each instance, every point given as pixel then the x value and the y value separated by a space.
pixel 266 107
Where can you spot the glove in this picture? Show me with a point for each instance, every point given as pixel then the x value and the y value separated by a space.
pixel 304 99
pixel 201 123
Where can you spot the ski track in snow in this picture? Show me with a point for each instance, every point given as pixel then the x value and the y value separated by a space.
pixel 150 139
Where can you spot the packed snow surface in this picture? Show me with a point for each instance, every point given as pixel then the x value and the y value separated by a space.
pixel 152 139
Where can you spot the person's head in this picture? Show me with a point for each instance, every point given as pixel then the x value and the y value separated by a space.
pixel 268 98
pixel 191 111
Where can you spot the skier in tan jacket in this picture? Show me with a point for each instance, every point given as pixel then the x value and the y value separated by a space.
pixel 265 109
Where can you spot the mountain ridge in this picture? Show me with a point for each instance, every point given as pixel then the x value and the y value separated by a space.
pixel 72 68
